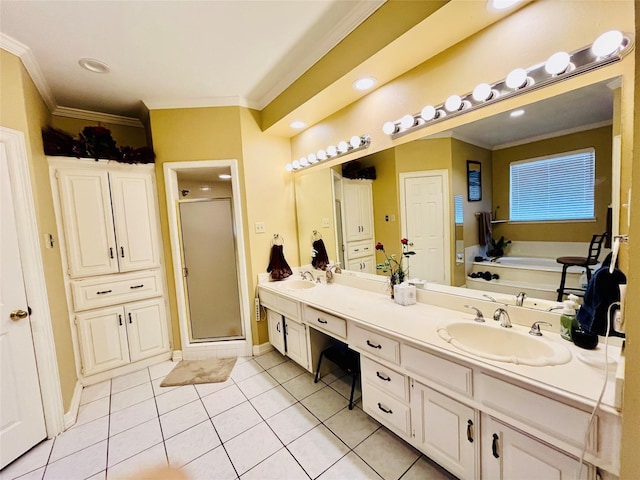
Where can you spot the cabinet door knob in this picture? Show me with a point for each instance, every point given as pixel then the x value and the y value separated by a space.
pixel 494 445
pixel 470 431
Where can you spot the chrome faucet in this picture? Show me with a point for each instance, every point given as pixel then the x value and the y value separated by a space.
pixel 559 307
pixel 303 275
pixel 329 272
pixel 502 316
pixel 520 299
pixel 479 317
pixel 535 328
pixel 489 297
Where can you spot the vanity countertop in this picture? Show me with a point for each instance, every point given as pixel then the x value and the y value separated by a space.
pixel 576 381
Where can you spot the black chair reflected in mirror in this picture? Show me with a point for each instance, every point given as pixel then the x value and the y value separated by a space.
pixel 585 262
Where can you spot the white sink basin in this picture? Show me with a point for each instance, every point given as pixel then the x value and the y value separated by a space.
pixel 293 285
pixel 504 344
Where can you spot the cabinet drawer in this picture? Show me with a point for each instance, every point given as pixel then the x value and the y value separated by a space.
pixel 431 367
pixel 101 292
pixel 384 378
pixel 374 344
pixel 325 321
pixel 356 250
pixel 288 308
pixel 387 409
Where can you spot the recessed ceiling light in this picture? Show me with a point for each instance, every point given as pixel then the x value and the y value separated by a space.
pixel 93 65
pixel 517 113
pixel 364 83
pixel 497 5
pixel 298 124
pixel 224 176
pixel 205 188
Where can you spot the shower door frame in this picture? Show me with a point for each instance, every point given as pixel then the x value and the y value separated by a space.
pixel 193 350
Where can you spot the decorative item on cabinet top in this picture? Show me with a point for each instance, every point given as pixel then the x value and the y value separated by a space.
pixel 93 142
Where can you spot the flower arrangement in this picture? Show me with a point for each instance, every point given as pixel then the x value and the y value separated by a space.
pixel 393 265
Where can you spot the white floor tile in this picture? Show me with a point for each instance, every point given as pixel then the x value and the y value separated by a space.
pixel 281 466
pixel 130 468
pixel 132 416
pixel 183 418
pixel 225 399
pixel 252 447
pixel 333 376
pixel 98 476
pixel 205 389
pixel 389 456
pixel 352 426
pixel 325 403
pixel 93 410
pixel 32 460
pixel 291 423
pixel 343 387
pixel 80 437
pixel 161 370
pixel 257 384
pixel 82 464
pixel 236 420
pixel 94 392
pixel 286 371
pixel 352 467
pixel 133 441
pixel 158 390
pixel 272 402
pixel 425 469
pixel 176 398
pixel 212 465
pixel 302 386
pixel 317 450
pixel 270 359
pixel 131 396
pixel 242 371
pixel 191 444
pixel 129 380
pixel 34 475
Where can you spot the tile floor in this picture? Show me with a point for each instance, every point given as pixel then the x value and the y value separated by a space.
pixel 267 421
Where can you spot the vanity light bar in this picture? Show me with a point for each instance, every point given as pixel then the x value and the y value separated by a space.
pixel 353 145
pixel 608 48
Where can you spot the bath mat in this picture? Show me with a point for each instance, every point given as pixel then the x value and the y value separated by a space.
pixel 191 372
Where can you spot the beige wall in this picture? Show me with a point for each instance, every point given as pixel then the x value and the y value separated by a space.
pixel 124 135
pixel 23 109
pixel 600 140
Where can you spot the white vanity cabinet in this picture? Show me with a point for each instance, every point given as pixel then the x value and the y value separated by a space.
pixel 109 220
pixel 115 336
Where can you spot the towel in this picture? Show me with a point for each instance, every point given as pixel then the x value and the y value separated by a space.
pixel 603 290
pixel 320 258
pixel 278 266
pixel 484 232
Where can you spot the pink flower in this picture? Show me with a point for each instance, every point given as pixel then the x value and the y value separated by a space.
pixel 404 241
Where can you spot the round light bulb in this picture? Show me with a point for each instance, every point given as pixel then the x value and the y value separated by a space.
pixel 343 147
pixel 364 83
pixel 322 155
pixel 296 164
pixel 607 43
pixel 288 167
pixel 304 162
pixel 298 124
pixel 453 103
pixel 355 141
pixel 407 121
pixel 482 92
pixel 428 113
pixel 501 4
pixel 312 158
pixel 517 113
pixel 557 63
pixel 389 128
pixel 332 151
pixel 517 78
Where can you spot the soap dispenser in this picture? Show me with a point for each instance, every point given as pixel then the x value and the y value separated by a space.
pixel 567 319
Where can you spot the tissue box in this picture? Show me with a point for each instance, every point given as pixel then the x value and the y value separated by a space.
pixel 404 294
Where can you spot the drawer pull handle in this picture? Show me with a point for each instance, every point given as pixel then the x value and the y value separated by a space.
pixel 384 409
pixel 320 320
pixel 383 377
pixel 103 292
pixel 494 445
pixel 130 321
pixel 373 345
pixel 120 319
pixel 132 287
pixel 470 431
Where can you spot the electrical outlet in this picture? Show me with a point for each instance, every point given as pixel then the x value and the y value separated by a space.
pixel 260 227
pixel 257 307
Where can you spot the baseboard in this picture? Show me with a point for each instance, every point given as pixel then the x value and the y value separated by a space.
pixel 177 356
pixel 263 348
pixel 71 416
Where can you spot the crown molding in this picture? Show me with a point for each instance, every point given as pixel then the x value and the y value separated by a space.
pixel 172 103
pixel 31 65
pixel 96 116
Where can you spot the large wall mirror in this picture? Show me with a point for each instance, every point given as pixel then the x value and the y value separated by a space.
pixel 452 226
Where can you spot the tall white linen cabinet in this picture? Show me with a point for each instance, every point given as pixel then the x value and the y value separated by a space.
pixel 110 242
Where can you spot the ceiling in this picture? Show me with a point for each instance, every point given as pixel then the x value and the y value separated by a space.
pixel 168 54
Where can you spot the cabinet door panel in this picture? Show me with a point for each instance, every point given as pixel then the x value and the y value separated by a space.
pixel 147 328
pixel 276 331
pixel 133 199
pixel 297 343
pixel 103 339
pixel 88 222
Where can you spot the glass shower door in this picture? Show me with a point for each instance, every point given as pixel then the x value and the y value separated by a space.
pixel 210 269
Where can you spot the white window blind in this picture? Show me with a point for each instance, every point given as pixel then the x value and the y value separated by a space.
pixel 559 187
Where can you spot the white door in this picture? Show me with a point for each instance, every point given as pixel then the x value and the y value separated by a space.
pixel 146 328
pixel 134 210
pixel 297 342
pixel 276 331
pixel 425 222
pixel 21 416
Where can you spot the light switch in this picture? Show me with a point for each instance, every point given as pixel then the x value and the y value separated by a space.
pixel 260 227
pixel 325 223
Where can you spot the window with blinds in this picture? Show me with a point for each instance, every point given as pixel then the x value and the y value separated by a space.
pixel 558 187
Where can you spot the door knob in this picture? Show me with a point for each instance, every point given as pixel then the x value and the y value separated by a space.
pixel 18 315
